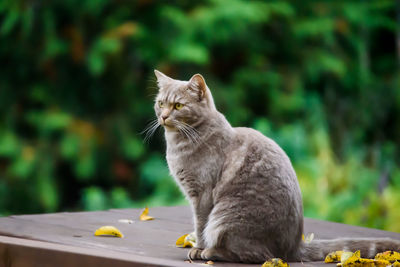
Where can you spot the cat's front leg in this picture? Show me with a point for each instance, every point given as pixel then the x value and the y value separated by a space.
pixel 199 225
pixel 202 207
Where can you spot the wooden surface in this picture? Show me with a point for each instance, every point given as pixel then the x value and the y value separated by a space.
pixel 67 239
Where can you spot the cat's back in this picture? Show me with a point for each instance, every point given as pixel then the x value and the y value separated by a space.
pixel 256 141
pixel 257 159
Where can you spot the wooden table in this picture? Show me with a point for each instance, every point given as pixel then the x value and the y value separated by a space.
pixel 67 239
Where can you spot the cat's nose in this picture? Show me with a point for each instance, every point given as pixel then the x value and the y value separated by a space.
pixel 164 117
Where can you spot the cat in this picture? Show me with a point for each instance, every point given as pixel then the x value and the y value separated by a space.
pixel 242 188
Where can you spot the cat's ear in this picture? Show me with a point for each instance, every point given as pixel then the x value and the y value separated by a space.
pixel 198 84
pixel 162 78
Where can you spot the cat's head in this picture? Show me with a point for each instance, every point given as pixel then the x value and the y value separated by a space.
pixel 180 103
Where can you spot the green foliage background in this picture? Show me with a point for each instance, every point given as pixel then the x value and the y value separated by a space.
pixel 322 78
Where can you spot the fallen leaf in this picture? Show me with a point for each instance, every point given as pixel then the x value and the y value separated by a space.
pixel 125 221
pixel 391 256
pixel 355 260
pixel 346 255
pixel 396 264
pixel 210 262
pixel 361 262
pixel 180 241
pixel 381 263
pixel 191 238
pixel 334 256
pixel 275 262
pixel 108 231
pixel 308 238
pixel 144 216
pixel 186 241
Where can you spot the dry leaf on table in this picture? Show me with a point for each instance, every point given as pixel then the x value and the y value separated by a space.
pixel 186 241
pixel 108 231
pixel 355 260
pixel 144 216
pixel 275 262
pixel 308 238
pixel 125 221
pixel 391 256
pixel 336 256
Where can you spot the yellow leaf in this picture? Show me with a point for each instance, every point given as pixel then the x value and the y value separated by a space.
pixel 308 238
pixel 391 256
pixel 108 231
pixel 191 238
pixel 349 256
pixel 381 263
pixel 275 262
pixel 186 241
pixel 355 260
pixel 334 256
pixel 361 262
pixel 210 262
pixel 396 264
pixel 180 241
pixel 144 216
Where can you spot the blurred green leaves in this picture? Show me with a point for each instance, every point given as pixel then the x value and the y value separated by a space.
pixel 94 198
pixel 98 52
pixel 133 147
pixel 47 122
pixel 321 78
pixel 8 143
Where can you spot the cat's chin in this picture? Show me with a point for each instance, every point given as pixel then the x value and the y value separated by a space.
pixel 169 128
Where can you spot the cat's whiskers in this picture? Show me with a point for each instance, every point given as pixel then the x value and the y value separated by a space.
pixel 186 131
pixel 150 129
pixel 152 95
pixel 191 127
pixel 195 136
pixel 194 132
pixel 188 135
pixel 191 133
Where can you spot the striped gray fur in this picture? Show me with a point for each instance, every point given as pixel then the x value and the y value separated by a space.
pixel 243 190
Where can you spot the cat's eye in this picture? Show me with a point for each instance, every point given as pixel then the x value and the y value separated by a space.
pixel 160 104
pixel 178 106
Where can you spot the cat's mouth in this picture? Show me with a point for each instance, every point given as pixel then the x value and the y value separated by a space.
pixel 167 124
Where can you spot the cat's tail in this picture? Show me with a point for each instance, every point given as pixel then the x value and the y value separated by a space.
pixel 317 250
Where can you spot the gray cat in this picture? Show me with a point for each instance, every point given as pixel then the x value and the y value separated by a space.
pixel 241 185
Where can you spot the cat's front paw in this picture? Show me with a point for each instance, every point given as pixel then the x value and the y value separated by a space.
pixel 212 254
pixel 195 253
